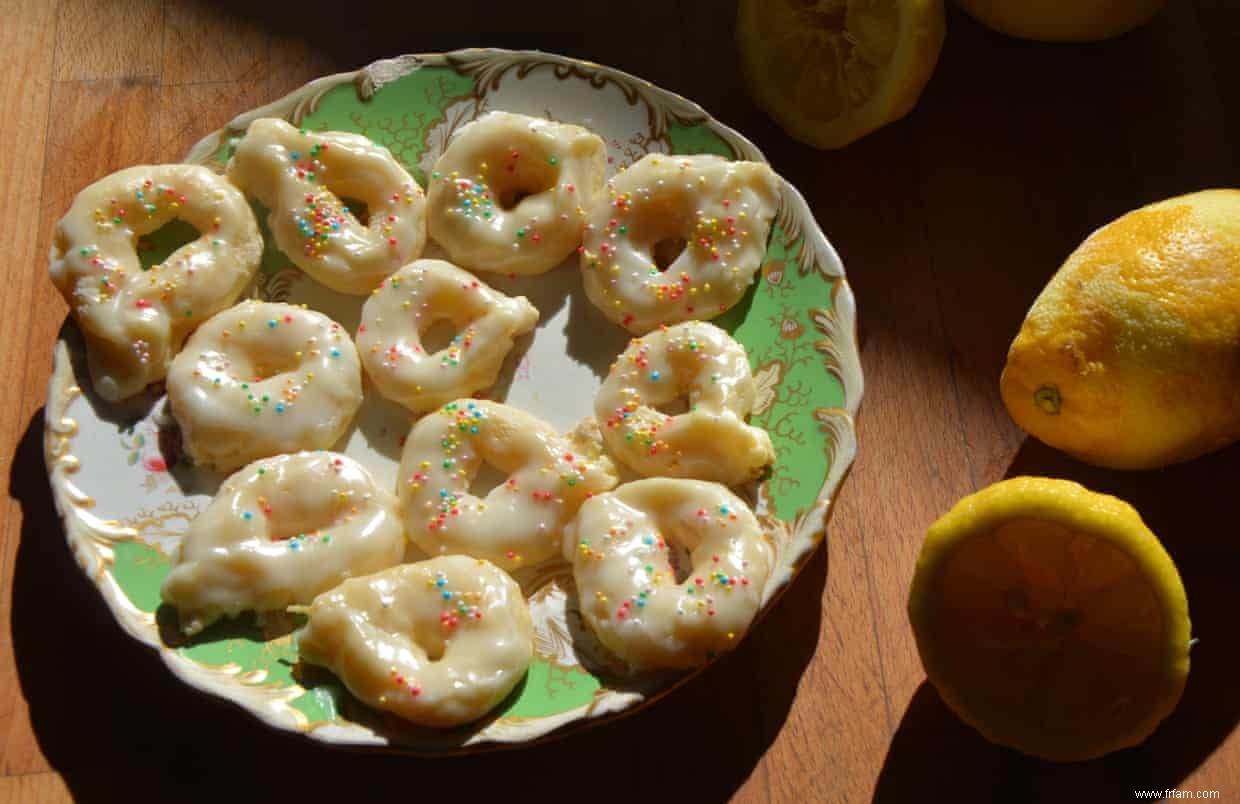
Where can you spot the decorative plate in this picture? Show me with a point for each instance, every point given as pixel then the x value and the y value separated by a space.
pixel 126 497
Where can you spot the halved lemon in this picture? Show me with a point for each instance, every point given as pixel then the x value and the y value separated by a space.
pixel 831 71
pixel 1051 619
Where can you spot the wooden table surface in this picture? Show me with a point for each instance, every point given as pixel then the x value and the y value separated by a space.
pixel 948 223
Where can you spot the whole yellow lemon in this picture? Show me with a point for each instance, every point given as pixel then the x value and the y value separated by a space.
pixel 1062 20
pixel 1130 357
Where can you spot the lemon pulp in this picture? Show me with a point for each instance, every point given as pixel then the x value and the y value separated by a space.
pixel 1051 619
pixel 830 71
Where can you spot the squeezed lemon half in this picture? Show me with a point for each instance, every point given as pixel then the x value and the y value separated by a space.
pixel 831 71
pixel 1051 619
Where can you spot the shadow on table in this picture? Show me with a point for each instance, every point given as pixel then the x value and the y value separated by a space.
pixel 933 754
pixel 118 726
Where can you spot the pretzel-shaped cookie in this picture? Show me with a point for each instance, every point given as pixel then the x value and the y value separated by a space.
pixel 279 532
pixel 408 303
pixel 714 212
pixel 520 521
pixel 710 440
pixel 304 177
pixel 510 193
pixel 669 572
pixel 263 378
pixel 135 320
pixel 439 643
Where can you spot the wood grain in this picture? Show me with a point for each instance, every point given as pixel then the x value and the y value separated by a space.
pixel 190 111
pixel 25 92
pixel 95 127
pixel 35 788
pixel 27 41
pixel 109 39
pixel 948 222
pixel 203 43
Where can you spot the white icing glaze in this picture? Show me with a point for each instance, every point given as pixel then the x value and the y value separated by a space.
pixel 710 440
pixel 408 303
pixel 722 211
pixel 552 171
pixel 134 321
pixel 439 643
pixel 621 545
pixel 302 178
pixel 279 532
pixel 263 378
pixel 520 521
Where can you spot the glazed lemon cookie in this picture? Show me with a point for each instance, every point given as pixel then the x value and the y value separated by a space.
pixel 669 572
pixel 135 320
pixel 408 303
pixel 677 238
pixel 710 440
pixel 510 193
pixel 279 532
pixel 305 177
pixel 520 521
pixel 439 643
pixel 260 379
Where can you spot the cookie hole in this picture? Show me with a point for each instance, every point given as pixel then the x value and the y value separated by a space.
pixel 263 372
pixel 680 560
pixel 430 637
pixel 286 532
pixel 666 251
pixel 358 209
pixel 438 336
pixel 159 245
pixel 510 198
pixel 522 177
pixel 266 369
pixel 297 522
pixel 434 648
pixel 487 479
pixel 674 407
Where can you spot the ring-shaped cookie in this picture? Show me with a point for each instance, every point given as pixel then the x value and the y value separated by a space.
pixel 701 364
pixel 438 643
pixel 520 521
pixel 404 308
pixel 263 378
pixel 134 320
pixel 279 532
pixel 511 192
pixel 669 572
pixel 304 179
pixel 712 214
